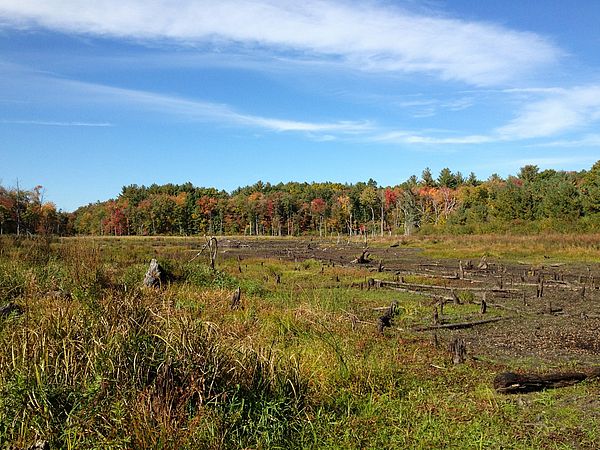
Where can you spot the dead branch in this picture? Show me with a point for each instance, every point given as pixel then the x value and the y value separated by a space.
pixel 212 246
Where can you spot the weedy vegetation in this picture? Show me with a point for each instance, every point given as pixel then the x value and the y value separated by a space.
pixel 93 359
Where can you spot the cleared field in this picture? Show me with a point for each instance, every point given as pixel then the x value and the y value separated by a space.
pixel 92 359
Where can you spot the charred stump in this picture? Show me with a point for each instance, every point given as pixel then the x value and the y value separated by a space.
pixel 540 288
pixel 363 258
pixel 370 284
pixel 385 321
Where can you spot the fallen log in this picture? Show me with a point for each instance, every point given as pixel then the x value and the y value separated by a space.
pixel 433 275
pixel 460 325
pixel 445 288
pixel 515 383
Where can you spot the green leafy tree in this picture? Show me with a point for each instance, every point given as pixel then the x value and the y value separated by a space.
pixel 447 179
pixel 590 190
pixel 427 178
pixel 529 173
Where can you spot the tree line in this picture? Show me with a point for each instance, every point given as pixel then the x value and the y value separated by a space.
pixel 25 212
pixel 530 201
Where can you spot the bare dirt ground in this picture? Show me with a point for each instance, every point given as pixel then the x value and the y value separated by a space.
pixel 560 325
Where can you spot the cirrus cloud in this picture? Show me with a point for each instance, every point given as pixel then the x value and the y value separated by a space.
pixel 371 36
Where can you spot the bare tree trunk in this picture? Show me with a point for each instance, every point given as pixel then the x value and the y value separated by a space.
pixel 382 210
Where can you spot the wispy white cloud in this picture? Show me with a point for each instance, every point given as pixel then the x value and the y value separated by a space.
pixel 559 111
pixel 371 36
pixel 589 140
pixel 51 123
pixel 556 161
pixel 195 110
pixel 554 112
pixel 428 107
pixel 405 137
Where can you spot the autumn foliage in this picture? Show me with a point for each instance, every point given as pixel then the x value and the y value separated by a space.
pixel 530 201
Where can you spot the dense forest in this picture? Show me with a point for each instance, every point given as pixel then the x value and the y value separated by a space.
pixel 528 202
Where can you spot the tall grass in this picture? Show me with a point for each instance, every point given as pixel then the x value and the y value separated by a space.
pixel 98 361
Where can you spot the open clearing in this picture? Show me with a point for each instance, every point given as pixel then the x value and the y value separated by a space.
pixel 308 322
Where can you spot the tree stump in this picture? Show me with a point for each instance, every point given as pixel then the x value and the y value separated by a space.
pixel 236 299
pixel 458 348
pixel 483 264
pixel 385 321
pixel 540 289
pixel 154 275
pixel 455 297
pixel 370 284
pixel 363 258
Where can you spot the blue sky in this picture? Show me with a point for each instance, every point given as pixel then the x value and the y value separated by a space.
pixel 97 95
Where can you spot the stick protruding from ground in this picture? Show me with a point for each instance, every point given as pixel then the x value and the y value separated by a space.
pixel 212 245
